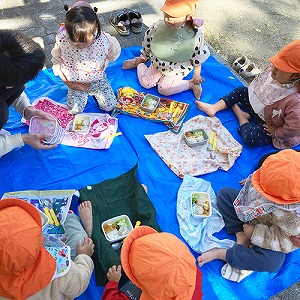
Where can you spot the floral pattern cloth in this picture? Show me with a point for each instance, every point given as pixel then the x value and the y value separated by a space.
pixel 183 159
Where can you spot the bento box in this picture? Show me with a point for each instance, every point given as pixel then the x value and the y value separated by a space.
pixel 52 127
pixel 116 228
pixel 200 205
pixel 150 103
pixel 195 137
pixel 82 123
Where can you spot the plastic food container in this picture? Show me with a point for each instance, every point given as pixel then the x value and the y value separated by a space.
pixel 43 126
pixel 82 123
pixel 150 103
pixel 195 137
pixel 200 204
pixel 116 228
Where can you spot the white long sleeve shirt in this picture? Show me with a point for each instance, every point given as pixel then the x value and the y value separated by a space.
pixel 9 142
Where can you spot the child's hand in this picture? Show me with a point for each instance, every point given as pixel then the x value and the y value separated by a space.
pixel 197 79
pixel 87 248
pixel 243 181
pixel 114 273
pixel 270 130
pixel 248 230
pixel 296 240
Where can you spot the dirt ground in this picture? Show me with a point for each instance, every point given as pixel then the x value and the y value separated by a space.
pixel 256 28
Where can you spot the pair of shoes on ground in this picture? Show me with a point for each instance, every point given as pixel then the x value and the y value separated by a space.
pixel 126 20
pixel 245 67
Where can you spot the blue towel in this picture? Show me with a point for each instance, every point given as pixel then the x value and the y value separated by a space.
pixel 74 168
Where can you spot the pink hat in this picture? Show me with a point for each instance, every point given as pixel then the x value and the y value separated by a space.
pixel 179 8
pixel 159 264
pixel 288 58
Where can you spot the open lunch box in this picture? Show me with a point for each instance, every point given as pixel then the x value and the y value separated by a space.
pixel 117 228
pixel 195 137
pixel 150 103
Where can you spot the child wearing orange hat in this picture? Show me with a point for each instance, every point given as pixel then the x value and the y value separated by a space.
pixel 270 202
pixel 174 46
pixel 272 100
pixel 159 264
pixel 27 269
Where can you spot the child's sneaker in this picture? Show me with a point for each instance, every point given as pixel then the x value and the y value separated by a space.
pixel 136 21
pixel 120 20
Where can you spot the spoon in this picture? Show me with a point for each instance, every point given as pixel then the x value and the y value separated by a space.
pixel 117 245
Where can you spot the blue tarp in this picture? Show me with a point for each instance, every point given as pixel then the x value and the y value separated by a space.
pixel 74 168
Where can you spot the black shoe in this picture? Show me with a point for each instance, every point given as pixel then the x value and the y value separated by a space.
pixel 120 20
pixel 136 21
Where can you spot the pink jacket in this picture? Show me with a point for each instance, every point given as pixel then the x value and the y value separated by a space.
pixel 285 116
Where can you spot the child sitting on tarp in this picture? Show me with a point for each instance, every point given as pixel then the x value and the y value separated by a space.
pixel 27 269
pixel 175 47
pixel 80 56
pixel 269 201
pixel 159 264
pixel 272 100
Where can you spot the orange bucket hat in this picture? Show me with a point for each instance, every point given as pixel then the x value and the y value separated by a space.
pixel 25 266
pixel 159 264
pixel 278 177
pixel 288 58
pixel 179 8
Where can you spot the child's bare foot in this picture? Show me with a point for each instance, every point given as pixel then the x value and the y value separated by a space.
pixel 242 239
pixel 129 64
pixel 209 109
pixel 86 216
pixel 196 88
pixel 215 253
pixel 242 116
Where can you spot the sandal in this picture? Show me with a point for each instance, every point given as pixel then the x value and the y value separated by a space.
pixel 136 21
pixel 249 70
pixel 120 21
pixel 240 62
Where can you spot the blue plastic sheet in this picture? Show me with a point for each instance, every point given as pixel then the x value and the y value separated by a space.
pixel 74 168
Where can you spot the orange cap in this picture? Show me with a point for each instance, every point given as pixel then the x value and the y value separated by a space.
pixel 278 177
pixel 179 8
pixel 160 264
pixel 25 266
pixel 288 58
